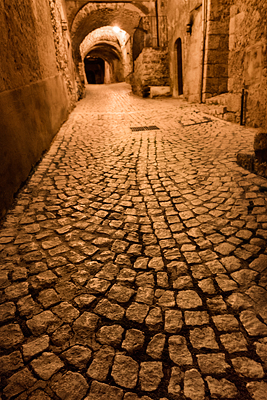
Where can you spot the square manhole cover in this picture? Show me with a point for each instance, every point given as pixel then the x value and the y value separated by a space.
pixel 144 128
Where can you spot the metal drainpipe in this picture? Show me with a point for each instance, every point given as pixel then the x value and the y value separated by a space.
pixel 157 21
pixel 204 30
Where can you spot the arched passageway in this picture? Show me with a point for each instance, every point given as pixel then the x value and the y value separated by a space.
pixel 94 70
pixel 114 48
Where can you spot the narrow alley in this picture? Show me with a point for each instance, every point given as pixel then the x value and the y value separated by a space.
pixel 133 260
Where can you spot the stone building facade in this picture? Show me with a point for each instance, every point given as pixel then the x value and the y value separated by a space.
pixel 217 52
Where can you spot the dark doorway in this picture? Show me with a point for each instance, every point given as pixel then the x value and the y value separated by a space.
pixel 94 70
pixel 90 75
pixel 179 65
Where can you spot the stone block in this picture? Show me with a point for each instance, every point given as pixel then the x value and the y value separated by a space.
pixel 246 161
pixel 260 146
pixel 213 42
pixel 158 91
pixel 216 56
pixel 217 27
pixel 260 168
pixel 230 117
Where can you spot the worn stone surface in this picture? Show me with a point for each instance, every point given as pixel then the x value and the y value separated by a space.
pixel 71 385
pixel 246 367
pixel 7 311
pixel 134 340
pixel 174 388
pixel 252 324
pixel 46 365
pixel 203 338
pixel 257 390
pixel 187 299
pixel 225 322
pixel 194 385
pixel 111 335
pixel 101 391
pixel 173 321
pixel 19 382
pixel 137 312
pixel 101 363
pixel 133 263
pixel 10 335
pixel 11 362
pixel 221 388
pixel 178 350
pixel 261 349
pixel 45 322
pixel 78 356
pixel 150 375
pixel 234 342
pixel 125 371
pixel 196 317
pixel 212 363
pixel 36 346
pixel 109 310
pixel 154 318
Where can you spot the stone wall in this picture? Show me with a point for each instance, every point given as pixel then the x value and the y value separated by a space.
pixel 203 28
pixel 34 98
pixel 248 57
pixel 62 42
pixel 180 14
pixel 215 78
pixel 151 68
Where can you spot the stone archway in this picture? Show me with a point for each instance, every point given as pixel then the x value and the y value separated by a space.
pixel 113 48
pixel 113 66
pixel 93 16
pixel 74 7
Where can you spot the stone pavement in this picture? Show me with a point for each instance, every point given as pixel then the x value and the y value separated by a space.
pixel 134 262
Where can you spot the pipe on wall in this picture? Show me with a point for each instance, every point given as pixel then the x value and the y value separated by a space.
pixel 204 33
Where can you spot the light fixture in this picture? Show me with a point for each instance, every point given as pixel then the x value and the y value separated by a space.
pixel 116 29
pixel 189 28
pixel 64 25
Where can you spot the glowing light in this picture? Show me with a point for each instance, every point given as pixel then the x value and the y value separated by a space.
pixel 116 29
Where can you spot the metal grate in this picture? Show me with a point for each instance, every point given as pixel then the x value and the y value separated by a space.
pixel 144 128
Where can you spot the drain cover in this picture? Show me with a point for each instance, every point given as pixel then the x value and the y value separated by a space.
pixel 144 128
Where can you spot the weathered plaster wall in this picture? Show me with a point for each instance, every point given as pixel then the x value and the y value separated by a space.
pixel 151 68
pixel 34 99
pixel 248 57
pixel 180 14
pixel 62 42
pixel 193 43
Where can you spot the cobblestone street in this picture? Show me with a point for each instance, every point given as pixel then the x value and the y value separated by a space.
pixel 134 261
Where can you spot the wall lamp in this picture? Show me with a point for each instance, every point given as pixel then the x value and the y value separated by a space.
pixel 189 28
pixel 64 25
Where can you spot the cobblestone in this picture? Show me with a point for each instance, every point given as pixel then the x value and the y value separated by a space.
pixel 132 267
